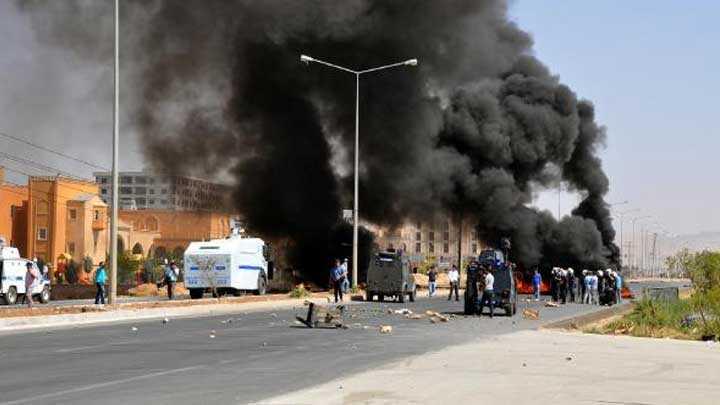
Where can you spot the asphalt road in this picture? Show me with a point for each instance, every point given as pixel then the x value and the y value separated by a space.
pixel 255 356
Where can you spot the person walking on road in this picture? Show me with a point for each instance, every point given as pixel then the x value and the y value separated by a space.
pixel 172 272
pixel 454 278
pixel 432 281
pixel 536 282
pixel 100 279
pixel 30 276
pixel 337 275
pixel 488 297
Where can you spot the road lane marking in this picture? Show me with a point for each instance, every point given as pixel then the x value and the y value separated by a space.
pixel 99 385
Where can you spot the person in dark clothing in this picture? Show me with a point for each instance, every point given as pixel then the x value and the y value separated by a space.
pixel 337 275
pixel 571 284
pixel 432 281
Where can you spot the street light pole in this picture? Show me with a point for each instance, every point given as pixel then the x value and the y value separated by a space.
pixel 356 180
pixel 116 144
pixel 633 250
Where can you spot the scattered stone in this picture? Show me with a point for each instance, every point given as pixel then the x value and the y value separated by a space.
pixel 274 315
pixel 134 329
pixel 529 313
pixel 403 311
pixel 524 365
pixel 552 304
pixel 386 329
pixel 415 316
pixel 264 344
pixel 212 336
pixel 568 358
pixel 165 320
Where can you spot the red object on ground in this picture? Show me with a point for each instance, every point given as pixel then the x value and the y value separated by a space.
pixel 626 293
pixel 525 287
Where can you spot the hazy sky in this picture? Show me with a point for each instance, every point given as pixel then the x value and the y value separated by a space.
pixel 650 67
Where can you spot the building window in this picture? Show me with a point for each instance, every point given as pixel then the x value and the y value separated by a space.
pixel 418 226
pixel 151 191
pixel 431 236
pixel 96 215
pixel 140 180
pixel 42 234
pixel 446 248
pixel 417 248
pixel 102 180
pixel 163 191
pixel 431 247
pixel 446 235
pixel 103 191
pixel 126 190
pixel 140 190
pixel 163 202
pixel 473 247
pixel 71 248
pixel 418 236
pixel 151 202
pixel 72 213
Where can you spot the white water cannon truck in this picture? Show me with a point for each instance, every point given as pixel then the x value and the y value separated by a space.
pixel 234 265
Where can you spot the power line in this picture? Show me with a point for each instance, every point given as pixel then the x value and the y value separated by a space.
pixel 85 162
pixel 37 165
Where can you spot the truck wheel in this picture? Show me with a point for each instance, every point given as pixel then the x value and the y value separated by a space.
pixel 514 306
pixel 11 296
pixel 412 294
pixel 508 310
pixel 369 296
pixel 45 295
pixel 196 293
pixel 261 285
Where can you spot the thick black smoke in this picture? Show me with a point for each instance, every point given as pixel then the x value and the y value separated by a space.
pixel 474 130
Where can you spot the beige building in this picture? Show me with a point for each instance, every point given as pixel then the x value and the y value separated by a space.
pixel 435 240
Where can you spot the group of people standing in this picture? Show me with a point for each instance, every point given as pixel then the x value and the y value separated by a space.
pixel 603 287
pixel 453 279
pixel 171 274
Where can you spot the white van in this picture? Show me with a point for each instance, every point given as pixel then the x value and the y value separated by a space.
pixel 12 277
pixel 227 266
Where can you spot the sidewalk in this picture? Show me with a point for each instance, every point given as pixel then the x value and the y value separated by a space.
pixel 537 367
pixel 92 314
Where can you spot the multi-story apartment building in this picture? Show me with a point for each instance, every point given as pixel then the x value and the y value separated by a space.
pixel 143 190
pixel 435 240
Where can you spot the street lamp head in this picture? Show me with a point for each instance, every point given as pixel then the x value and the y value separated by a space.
pixel 411 62
pixel 306 59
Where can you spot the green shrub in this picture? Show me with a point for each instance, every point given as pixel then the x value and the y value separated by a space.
pixel 299 292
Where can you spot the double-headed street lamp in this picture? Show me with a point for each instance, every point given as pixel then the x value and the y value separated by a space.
pixel 410 62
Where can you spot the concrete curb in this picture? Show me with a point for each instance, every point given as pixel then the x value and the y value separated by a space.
pixel 22 324
pixel 580 321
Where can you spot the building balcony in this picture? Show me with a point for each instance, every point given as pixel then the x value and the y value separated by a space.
pixel 99 224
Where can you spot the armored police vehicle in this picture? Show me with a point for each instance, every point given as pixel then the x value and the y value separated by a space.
pixel 504 288
pixel 228 266
pixel 389 275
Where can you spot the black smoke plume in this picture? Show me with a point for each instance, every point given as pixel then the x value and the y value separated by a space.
pixel 217 88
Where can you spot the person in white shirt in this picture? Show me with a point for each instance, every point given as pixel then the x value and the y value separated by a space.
pixel 488 296
pixel 454 278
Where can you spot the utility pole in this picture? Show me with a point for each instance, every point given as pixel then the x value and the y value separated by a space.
pixel 116 144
